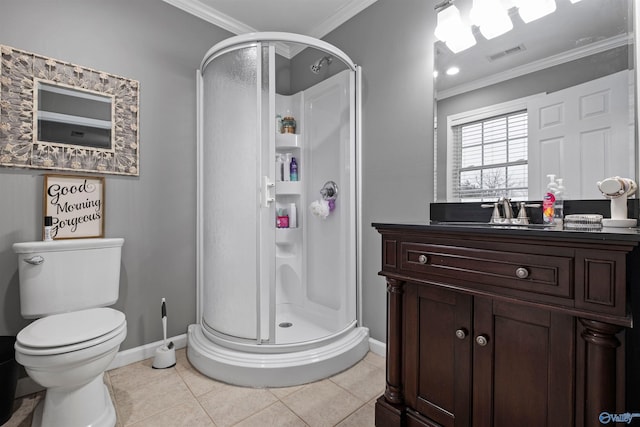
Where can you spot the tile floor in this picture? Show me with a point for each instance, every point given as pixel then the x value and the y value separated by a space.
pixel 181 396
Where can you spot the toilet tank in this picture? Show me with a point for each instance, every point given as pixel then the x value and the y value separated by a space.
pixel 68 275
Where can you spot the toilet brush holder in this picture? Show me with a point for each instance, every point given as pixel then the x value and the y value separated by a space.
pixel 165 357
pixel 165 354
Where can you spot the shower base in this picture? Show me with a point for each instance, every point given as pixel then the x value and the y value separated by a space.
pixel 276 365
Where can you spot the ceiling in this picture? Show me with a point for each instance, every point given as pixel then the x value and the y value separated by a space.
pixel 315 18
pixel 587 27
pixel 571 32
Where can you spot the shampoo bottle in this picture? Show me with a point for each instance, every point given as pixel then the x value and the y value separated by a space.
pixel 293 217
pixel 549 200
pixel 279 167
pixel 293 169
pixel 287 167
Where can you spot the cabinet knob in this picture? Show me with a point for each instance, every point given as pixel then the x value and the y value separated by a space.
pixel 482 340
pixel 422 259
pixel 461 333
pixel 522 273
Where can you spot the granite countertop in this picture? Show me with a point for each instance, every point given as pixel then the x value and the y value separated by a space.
pixel 535 230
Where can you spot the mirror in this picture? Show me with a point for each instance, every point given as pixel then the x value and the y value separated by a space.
pixel 570 73
pixel 71 116
pixel 57 115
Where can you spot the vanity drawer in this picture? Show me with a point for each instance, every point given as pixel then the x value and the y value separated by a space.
pixel 541 274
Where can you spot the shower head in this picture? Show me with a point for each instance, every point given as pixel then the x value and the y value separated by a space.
pixel 317 66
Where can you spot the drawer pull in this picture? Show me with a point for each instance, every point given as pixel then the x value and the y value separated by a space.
pixel 482 340
pixel 422 259
pixel 461 333
pixel 522 273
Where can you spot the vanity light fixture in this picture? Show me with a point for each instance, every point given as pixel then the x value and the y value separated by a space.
pixel 530 10
pixel 451 30
pixel 492 19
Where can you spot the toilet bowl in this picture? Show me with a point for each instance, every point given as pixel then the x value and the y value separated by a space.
pixel 66 286
pixel 68 354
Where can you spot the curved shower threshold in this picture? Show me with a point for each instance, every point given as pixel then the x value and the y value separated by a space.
pixel 276 369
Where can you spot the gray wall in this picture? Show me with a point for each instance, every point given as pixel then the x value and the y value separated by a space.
pixel 393 42
pixel 155 43
pixel 161 46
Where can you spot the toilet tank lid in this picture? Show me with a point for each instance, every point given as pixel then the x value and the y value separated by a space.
pixel 70 328
pixel 67 245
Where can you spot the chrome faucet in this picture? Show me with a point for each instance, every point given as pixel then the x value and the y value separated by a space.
pixel 507 210
pixel 506 216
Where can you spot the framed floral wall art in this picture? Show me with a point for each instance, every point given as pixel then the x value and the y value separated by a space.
pixel 57 115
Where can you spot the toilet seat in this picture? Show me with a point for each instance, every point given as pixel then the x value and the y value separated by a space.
pixel 69 332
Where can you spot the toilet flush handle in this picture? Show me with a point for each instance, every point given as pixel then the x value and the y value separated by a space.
pixel 35 260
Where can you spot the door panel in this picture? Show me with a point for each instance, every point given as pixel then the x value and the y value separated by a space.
pixel 581 134
pixel 237 234
pixel 441 358
pixel 527 351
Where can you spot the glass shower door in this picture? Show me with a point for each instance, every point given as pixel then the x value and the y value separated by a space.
pixel 238 229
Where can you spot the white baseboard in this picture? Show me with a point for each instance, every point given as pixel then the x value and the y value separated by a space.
pixel 378 347
pixel 27 386
pixel 136 354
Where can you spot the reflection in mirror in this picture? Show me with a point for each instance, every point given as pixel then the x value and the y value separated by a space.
pixel 551 96
pixel 71 116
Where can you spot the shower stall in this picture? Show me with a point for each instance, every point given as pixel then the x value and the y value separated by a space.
pixel 278 289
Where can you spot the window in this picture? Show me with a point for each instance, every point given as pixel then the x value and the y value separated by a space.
pixel 490 158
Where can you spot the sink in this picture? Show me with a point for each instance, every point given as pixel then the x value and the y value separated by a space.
pixel 505 225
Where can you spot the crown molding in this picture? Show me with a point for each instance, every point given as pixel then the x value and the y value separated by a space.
pixel 215 17
pixel 340 16
pixel 211 15
pixel 571 55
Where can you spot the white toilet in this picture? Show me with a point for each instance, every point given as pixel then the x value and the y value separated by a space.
pixel 67 284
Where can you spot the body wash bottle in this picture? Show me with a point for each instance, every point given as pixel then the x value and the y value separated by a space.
pixel 293 169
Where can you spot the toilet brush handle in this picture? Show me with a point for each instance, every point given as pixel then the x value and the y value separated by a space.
pixel 164 330
pixel 164 322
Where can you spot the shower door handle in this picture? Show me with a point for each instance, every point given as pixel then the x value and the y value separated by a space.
pixel 267 186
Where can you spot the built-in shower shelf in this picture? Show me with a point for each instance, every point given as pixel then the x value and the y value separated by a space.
pixel 287 236
pixel 288 187
pixel 287 140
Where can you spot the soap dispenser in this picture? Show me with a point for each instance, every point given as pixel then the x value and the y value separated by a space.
pixel 558 208
pixel 549 200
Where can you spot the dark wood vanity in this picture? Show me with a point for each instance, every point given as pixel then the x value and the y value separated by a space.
pixel 495 327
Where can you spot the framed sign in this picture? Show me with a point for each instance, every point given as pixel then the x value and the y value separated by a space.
pixel 75 204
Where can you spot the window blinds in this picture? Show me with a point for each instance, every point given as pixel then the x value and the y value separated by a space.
pixel 490 159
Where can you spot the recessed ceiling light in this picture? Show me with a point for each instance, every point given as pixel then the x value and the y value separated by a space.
pixel 435 74
pixel 452 71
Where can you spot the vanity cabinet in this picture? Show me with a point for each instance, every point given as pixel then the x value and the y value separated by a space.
pixel 491 328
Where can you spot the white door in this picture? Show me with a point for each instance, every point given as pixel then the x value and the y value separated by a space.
pixel 582 134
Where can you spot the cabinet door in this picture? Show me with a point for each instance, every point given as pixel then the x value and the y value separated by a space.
pixel 523 366
pixel 438 345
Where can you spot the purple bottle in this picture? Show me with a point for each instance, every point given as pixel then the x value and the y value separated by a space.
pixel 293 169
